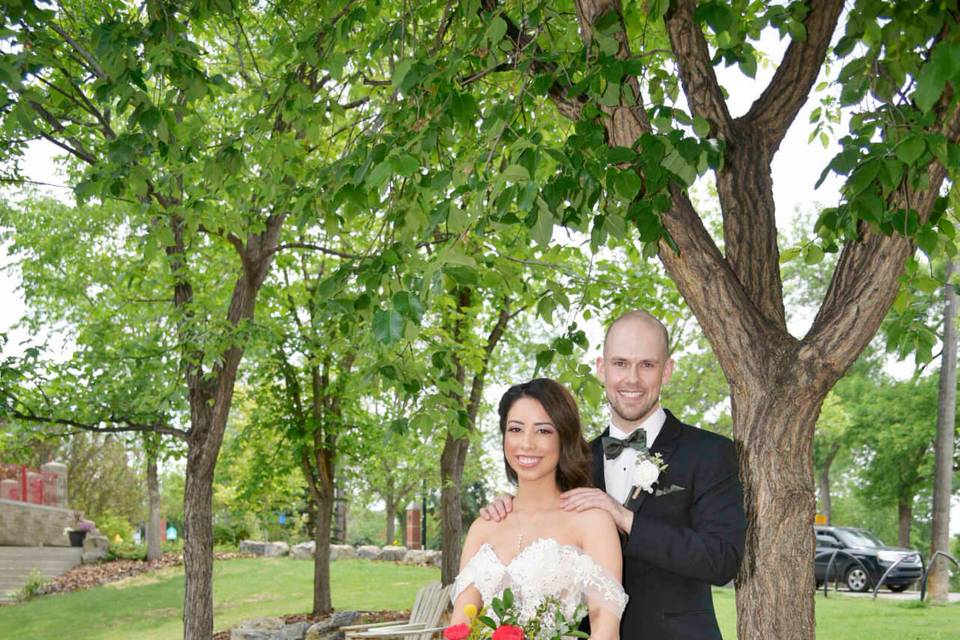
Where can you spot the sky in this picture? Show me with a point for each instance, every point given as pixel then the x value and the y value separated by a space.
pixel 796 169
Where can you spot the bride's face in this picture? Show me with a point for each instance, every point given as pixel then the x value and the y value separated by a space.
pixel 531 443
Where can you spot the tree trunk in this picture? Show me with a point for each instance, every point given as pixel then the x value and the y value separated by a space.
pixel 825 507
pixel 776 469
pixel 391 515
pixel 938 580
pixel 451 514
pixel 904 520
pixel 198 545
pixel 322 601
pixel 154 550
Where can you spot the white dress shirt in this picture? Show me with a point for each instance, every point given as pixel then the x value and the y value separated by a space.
pixel 618 472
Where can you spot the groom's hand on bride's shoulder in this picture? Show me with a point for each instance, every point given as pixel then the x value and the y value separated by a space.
pixel 498 509
pixel 587 498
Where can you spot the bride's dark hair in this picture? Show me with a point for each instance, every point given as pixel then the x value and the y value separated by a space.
pixel 573 470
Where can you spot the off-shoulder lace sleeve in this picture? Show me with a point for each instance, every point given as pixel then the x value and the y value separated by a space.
pixel 600 587
pixel 481 571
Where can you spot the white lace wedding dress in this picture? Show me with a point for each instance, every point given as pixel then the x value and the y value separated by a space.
pixel 543 569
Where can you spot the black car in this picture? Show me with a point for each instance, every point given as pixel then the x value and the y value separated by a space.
pixel 875 557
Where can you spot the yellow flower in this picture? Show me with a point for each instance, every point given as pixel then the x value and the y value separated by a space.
pixel 471 611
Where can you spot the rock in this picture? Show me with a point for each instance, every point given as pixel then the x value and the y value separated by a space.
pixel 329 629
pixel 392 554
pixel 304 550
pixel 294 631
pixel 259 629
pixel 342 552
pixel 416 556
pixel 265 549
pixel 95 548
pixel 368 552
pixel 434 557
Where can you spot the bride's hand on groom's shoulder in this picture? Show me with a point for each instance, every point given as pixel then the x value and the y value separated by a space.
pixel 498 509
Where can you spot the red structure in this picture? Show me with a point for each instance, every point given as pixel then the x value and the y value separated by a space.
pixel 46 486
pixel 413 526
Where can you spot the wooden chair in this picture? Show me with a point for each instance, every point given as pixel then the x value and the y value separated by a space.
pixel 424 623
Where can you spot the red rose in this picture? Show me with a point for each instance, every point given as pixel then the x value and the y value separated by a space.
pixel 508 632
pixel 456 632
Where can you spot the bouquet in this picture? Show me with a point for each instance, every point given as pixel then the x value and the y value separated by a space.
pixel 547 623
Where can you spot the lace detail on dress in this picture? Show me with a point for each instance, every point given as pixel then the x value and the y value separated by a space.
pixel 543 569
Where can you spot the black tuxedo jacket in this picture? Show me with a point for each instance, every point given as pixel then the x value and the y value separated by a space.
pixel 682 540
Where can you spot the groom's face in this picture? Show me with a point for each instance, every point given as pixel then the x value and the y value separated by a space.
pixel 634 366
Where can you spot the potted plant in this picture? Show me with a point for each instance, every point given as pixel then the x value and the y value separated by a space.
pixel 79 530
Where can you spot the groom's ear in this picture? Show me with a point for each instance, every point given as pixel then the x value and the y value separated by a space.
pixel 600 368
pixel 667 371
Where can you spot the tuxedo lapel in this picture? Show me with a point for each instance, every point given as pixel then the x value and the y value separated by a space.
pixel 596 462
pixel 666 446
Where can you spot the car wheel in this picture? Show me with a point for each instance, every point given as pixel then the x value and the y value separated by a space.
pixel 897 588
pixel 856 579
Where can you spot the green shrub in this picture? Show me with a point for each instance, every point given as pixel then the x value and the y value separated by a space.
pixel 230 533
pixel 112 526
pixel 33 587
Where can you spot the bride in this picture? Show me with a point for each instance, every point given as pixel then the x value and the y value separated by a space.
pixel 541 551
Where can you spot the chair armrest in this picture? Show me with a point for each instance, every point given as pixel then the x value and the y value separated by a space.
pixel 388 632
pixel 374 625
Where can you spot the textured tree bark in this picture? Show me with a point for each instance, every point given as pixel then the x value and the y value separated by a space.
pixel 773 429
pixel 904 520
pixel 451 514
pixel 322 600
pixel 938 580
pixel 198 547
pixel 154 549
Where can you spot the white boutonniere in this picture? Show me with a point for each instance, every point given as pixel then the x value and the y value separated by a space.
pixel 647 472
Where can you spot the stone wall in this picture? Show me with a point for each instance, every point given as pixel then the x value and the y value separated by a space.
pixel 31 525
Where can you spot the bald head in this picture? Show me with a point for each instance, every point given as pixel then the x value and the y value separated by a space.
pixel 641 320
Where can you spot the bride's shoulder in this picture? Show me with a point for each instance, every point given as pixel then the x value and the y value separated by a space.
pixel 591 521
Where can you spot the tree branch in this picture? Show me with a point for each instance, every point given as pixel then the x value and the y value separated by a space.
pixel 777 107
pixel 697 75
pixel 864 283
pixel 131 425
pixel 94 65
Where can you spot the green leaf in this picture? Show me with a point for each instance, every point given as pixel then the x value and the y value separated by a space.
pixel 405 164
pixel 812 254
pixel 408 305
pixel 701 126
pixel 564 346
pixel 910 150
pixel 544 358
pixel 542 231
pixel 627 185
pixel 619 155
pixel 926 284
pixel 387 326
pixel 935 74
pixel 927 240
pixel 488 621
pixel 496 30
pixel 656 9
pixel 516 173
pixel 400 72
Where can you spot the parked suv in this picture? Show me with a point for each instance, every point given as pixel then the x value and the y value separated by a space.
pixel 875 556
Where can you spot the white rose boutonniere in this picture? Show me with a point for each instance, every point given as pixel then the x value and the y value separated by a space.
pixel 646 473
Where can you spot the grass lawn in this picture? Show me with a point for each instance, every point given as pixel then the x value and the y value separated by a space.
pixel 148 607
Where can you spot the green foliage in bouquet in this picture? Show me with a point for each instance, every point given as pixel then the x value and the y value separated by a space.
pixel 547 623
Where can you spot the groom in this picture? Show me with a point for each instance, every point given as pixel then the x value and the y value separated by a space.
pixel 682 528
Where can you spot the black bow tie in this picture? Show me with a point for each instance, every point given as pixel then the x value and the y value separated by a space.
pixel 613 447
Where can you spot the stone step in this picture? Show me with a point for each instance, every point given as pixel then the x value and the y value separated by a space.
pixel 18 563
